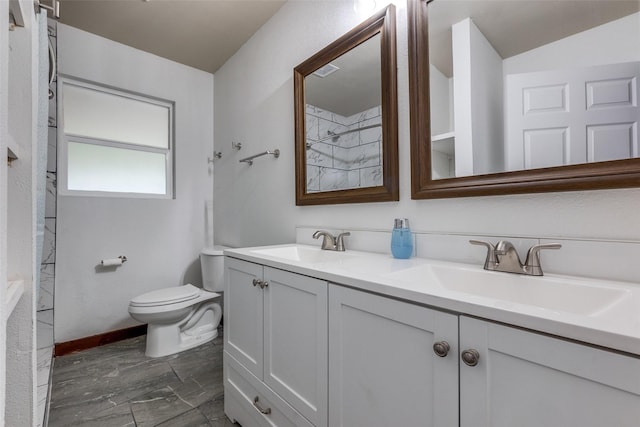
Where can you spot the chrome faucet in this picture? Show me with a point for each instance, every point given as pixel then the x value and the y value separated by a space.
pixel 331 243
pixel 504 257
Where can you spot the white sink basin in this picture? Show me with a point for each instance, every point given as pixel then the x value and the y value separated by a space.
pixel 555 293
pixel 307 254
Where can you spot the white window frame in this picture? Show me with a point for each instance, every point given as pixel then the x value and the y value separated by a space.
pixel 64 139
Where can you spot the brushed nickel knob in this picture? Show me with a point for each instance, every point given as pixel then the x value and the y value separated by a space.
pixel 257 282
pixel 441 348
pixel 470 357
pixel 264 284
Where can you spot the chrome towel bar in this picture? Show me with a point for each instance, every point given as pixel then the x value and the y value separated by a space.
pixel 275 153
pixel 335 136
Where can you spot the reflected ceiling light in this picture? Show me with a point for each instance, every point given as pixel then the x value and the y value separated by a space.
pixel 364 7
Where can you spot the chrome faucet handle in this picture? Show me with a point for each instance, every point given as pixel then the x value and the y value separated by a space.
pixel 532 264
pixel 340 241
pixel 328 241
pixel 491 261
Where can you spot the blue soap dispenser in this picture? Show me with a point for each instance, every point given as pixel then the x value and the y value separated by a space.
pixel 401 239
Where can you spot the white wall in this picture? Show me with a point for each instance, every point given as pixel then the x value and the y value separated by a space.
pixel 477 93
pixel 22 102
pixel 4 112
pixel 256 205
pixel 486 98
pixel 161 238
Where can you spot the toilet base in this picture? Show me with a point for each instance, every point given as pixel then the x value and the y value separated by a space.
pixel 167 339
pixel 158 342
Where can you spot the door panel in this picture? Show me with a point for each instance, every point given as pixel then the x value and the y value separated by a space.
pixel 612 142
pixel 546 147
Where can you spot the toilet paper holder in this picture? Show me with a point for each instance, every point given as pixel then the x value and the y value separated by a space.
pixel 114 261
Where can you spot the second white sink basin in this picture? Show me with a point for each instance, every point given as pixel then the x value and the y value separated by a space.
pixel 555 293
pixel 307 254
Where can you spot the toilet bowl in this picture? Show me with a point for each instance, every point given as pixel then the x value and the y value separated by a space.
pixel 183 317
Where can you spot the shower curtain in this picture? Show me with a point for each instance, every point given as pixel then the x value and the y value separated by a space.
pixel 40 150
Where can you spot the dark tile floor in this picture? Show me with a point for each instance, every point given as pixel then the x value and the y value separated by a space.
pixel 117 385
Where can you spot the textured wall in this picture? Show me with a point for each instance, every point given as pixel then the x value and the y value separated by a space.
pixel 161 238
pixel 256 205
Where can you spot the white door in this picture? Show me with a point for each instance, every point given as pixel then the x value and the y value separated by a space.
pixel 295 341
pixel 382 367
pixel 526 379
pixel 243 311
pixel 572 116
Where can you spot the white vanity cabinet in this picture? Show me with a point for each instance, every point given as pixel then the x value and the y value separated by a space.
pixel 383 371
pixel 382 367
pixel 300 351
pixel 527 379
pixel 276 346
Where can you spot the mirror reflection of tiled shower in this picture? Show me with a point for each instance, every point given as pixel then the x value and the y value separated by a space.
pixel 343 152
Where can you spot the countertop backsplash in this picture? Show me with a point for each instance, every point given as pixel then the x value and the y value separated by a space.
pixel 602 259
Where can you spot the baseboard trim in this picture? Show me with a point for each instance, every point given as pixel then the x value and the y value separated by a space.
pixel 86 343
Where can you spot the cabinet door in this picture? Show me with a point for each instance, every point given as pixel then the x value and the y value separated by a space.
pixel 382 367
pixel 527 379
pixel 243 311
pixel 295 347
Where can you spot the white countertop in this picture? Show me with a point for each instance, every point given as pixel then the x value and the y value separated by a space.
pixel 617 327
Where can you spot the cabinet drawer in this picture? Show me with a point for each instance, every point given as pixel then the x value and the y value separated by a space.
pixel 244 388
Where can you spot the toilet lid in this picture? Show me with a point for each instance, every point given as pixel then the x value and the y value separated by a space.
pixel 167 296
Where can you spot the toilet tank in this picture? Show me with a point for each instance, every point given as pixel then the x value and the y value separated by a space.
pixel 212 264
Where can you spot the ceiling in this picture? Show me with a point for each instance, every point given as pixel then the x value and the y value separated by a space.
pixel 516 26
pixel 200 33
pixel 356 85
pixel 205 33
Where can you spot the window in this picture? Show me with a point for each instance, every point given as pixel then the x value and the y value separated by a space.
pixel 114 143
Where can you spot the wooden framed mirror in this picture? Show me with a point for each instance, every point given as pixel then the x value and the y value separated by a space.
pixel 561 76
pixel 346 120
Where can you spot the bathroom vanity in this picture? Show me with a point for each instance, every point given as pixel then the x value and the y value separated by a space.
pixel 321 338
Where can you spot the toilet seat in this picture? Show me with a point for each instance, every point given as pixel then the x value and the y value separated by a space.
pixel 167 296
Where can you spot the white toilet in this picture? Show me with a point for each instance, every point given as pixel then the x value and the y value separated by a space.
pixel 183 317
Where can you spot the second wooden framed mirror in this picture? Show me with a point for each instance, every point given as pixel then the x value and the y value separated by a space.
pixel 346 123
pixel 512 97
